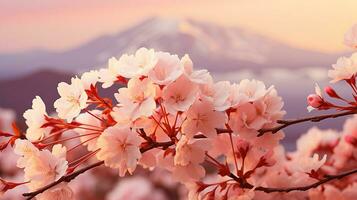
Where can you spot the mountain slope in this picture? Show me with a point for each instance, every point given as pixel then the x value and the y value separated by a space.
pixel 211 46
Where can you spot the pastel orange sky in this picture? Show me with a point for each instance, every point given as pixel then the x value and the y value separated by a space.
pixel 59 25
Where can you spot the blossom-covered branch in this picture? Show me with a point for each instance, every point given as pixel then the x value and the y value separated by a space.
pixel 66 178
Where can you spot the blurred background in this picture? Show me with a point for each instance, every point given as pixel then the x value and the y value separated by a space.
pixel 288 43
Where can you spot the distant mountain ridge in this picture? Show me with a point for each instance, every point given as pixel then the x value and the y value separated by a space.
pixel 211 46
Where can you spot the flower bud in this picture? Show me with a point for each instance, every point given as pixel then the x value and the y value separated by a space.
pixel 314 100
pixel 5 186
pixel 331 92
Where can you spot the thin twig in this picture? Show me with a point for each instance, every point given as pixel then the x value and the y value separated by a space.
pixel 327 178
pixel 66 178
pixel 286 123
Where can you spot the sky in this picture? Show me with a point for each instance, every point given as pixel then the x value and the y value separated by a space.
pixel 62 24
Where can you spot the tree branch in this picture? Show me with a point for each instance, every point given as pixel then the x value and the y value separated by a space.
pixel 164 145
pixel 66 178
pixel 70 177
pixel 286 123
pixel 327 178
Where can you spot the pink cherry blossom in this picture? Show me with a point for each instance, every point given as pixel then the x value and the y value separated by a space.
pixel 201 117
pixel 26 150
pixel 45 167
pixel 179 95
pixel 188 173
pixel 252 89
pixel 315 138
pixel 119 148
pixel 138 98
pixel 89 78
pixel 190 151
pixel 59 192
pixel 344 69
pixel 73 99
pixel 247 119
pixel 350 126
pixel 189 155
pixel 109 75
pixel 167 69
pixel 196 76
pixel 134 66
pixel 351 37
pixel 128 189
pixel 307 163
pixel 218 93
pixel 35 118
pixel 86 118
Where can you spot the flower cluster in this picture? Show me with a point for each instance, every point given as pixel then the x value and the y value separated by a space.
pixel 216 138
pixel 345 70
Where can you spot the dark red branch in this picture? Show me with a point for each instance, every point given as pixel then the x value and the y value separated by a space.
pixel 286 123
pixel 327 178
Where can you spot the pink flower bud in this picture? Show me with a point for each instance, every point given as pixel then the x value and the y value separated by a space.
pixel 314 100
pixel 243 147
pixel 331 92
pixel 350 139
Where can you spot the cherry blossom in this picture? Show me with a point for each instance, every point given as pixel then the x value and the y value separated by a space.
pixel 73 99
pixel 247 119
pixel 189 155
pixel 344 69
pixel 89 78
pixel 252 89
pixel 59 192
pixel 190 151
pixel 119 148
pixel 167 69
pixel 315 138
pixel 179 95
pixel 196 76
pixel 26 150
pixel 45 167
pixel 128 189
pixel 351 37
pixel 109 75
pixel 138 98
pixel 308 164
pixel 218 93
pixel 134 66
pixel 88 138
pixel 201 117
pixel 35 118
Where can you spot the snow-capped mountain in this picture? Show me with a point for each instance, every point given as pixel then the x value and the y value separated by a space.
pixel 211 46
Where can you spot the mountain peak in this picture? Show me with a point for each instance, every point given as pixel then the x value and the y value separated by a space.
pixel 211 46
